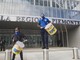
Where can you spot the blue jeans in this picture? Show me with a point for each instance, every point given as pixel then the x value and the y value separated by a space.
pixel 44 36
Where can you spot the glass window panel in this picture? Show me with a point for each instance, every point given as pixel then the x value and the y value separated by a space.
pixel 41 2
pixel 68 4
pixel 32 1
pixel 37 2
pixel 72 4
pixel 1 1
pixel 78 2
pixel 53 4
pixel 45 3
pixel 54 12
pixel 65 13
pixel 48 3
pixel 69 14
pixel 57 5
pixel 75 4
pixel 62 13
pixel 61 4
pixel 27 0
pixel 50 12
pixel 73 13
pixel 58 13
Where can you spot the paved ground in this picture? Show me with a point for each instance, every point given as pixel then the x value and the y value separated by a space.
pixel 37 54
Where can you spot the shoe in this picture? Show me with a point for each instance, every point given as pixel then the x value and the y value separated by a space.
pixel 47 48
pixel 43 47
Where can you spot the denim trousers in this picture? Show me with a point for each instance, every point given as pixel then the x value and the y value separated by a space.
pixel 44 36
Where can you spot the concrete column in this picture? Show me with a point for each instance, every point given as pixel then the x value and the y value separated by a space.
pixel 75 53
pixel 8 55
pixel 45 54
pixel 50 3
pixel 74 37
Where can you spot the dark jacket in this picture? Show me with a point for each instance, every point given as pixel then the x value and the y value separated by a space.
pixel 19 37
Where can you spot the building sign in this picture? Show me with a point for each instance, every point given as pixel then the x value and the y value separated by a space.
pixel 27 19
pixel 18 18
pixel 35 19
pixel 67 22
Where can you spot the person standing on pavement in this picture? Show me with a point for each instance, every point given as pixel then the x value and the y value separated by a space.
pixel 2 44
pixel 42 22
pixel 18 36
